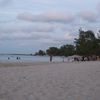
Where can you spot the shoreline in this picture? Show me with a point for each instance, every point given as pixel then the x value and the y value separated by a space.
pixel 30 63
pixel 24 64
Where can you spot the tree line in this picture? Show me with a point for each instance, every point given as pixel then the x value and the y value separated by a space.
pixel 86 44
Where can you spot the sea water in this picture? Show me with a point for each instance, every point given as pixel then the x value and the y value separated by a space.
pixel 29 58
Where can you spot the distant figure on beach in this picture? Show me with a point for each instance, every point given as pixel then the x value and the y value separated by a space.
pixel 63 58
pixel 18 58
pixel 83 58
pixel 8 58
pixel 50 58
pixel 76 59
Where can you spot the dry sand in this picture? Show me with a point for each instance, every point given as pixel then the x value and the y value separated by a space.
pixel 56 81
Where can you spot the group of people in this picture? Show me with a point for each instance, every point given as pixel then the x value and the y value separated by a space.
pixel 18 58
pixel 80 58
pixel 87 58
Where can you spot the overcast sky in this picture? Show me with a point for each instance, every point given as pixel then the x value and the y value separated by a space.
pixel 29 25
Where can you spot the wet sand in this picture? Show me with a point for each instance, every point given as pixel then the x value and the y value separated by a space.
pixel 50 81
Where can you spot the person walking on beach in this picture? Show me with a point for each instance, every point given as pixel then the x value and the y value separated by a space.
pixel 63 58
pixel 50 58
pixel 8 58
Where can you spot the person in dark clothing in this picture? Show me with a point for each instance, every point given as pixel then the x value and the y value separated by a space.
pixel 83 58
pixel 50 58
pixel 8 58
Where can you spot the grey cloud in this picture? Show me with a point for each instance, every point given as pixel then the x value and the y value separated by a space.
pixel 24 36
pixel 98 7
pixel 4 3
pixel 25 16
pixel 12 28
pixel 47 17
pixel 88 16
pixel 56 41
pixel 35 37
pixel 45 33
pixel 6 21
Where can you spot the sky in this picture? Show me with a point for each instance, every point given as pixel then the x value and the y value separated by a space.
pixel 27 26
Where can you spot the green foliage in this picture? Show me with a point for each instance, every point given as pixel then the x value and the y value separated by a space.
pixel 40 52
pixel 98 41
pixel 54 51
pixel 67 50
pixel 87 43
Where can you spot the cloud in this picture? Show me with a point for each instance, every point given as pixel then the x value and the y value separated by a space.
pixel 25 31
pixel 69 36
pixel 26 16
pixel 42 35
pixel 5 21
pixel 45 33
pixel 38 38
pixel 98 7
pixel 4 3
pixel 63 39
pixel 47 2
pixel 26 28
pixel 47 17
pixel 88 16
pixel 24 36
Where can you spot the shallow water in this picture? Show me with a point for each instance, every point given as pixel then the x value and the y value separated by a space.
pixel 26 58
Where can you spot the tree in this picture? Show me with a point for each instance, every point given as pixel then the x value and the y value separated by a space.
pixel 67 50
pixel 54 51
pixel 98 41
pixel 86 44
pixel 40 52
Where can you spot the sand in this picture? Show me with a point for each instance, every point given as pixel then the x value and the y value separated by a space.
pixel 50 81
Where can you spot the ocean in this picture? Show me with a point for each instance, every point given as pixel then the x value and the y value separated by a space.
pixel 29 58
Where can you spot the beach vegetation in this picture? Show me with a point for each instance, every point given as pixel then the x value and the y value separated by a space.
pixel 87 44
pixel 40 53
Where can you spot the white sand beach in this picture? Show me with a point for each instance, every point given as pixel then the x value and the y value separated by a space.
pixel 50 81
